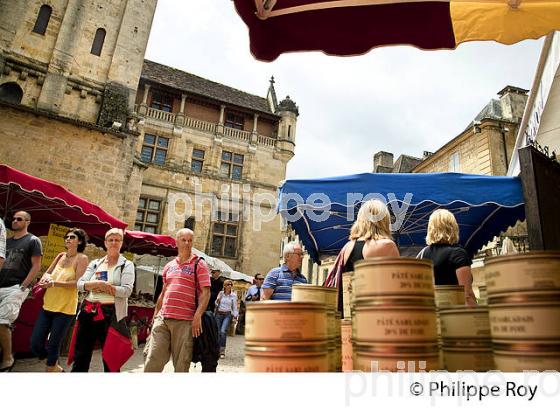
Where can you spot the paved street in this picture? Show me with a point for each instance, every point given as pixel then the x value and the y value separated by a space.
pixel 232 363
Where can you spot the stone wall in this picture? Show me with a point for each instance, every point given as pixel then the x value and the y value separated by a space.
pixel 91 163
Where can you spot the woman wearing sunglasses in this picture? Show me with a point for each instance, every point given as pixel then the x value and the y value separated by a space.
pixel 226 304
pixel 60 300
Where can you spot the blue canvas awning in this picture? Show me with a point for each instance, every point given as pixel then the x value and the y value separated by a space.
pixel 322 211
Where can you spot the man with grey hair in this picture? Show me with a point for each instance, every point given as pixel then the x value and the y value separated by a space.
pixel 177 317
pixel 278 282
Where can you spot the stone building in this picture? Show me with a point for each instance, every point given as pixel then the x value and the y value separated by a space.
pixel 215 157
pixel 79 106
pixel 486 145
pixel 67 94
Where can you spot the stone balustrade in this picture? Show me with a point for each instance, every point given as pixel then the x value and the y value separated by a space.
pixel 169 119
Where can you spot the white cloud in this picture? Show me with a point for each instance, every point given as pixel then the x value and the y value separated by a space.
pixel 397 99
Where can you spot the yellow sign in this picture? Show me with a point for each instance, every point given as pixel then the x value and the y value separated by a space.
pixel 54 245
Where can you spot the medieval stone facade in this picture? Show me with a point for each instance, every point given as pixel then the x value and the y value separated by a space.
pixel 79 106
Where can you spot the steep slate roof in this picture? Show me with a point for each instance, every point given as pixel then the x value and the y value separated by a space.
pixel 193 84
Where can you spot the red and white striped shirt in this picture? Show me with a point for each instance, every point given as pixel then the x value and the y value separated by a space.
pixel 178 300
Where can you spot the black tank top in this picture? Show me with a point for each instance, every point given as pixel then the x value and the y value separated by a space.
pixel 355 256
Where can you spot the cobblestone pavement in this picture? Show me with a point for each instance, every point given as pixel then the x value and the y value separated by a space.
pixel 233 361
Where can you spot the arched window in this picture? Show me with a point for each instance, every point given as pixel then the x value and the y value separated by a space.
pixel 11 92
pixel 98 41
pixel 42 19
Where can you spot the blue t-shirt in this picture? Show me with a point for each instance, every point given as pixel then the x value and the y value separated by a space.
pixel 280 280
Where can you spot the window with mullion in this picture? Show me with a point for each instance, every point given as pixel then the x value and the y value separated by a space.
pixel 197 160
pixel 148 215
pixel 232 165
pixel 154 149
pixel 224 237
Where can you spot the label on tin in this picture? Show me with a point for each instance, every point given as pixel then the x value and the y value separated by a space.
pixel 527 274
pixel 525 323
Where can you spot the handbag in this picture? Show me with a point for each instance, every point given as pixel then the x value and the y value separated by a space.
pixel 206 347
pixel 334 280
pixel 37 291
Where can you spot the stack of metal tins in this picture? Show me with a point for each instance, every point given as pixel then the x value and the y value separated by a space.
pixel 446 295
pixel 394 315
pixel 524 306
pixel 467 344
pixel 328 298
pixel 286 337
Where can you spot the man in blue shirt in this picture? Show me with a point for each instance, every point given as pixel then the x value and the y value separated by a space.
pixel 278 282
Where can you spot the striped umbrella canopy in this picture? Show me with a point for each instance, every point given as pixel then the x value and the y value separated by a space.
pixel 350 27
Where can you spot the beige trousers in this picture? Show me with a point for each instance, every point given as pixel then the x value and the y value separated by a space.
pixel 169 337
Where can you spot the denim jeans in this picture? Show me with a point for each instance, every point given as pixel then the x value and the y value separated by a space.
pixel 51 325
pixel 223 325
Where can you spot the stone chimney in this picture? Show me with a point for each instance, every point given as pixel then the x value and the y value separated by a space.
pixel 382 162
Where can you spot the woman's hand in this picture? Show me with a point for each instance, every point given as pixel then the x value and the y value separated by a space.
pixel 44 284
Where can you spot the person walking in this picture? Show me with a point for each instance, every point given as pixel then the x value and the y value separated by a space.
pixel 21 267
pixel 177 319
pixel 226 306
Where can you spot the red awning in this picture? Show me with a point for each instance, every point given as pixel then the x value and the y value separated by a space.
pixel 350 27
pixel 142 243
pixel 50 203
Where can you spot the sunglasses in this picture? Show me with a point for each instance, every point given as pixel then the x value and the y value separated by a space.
pixel 70 237
pixel 18 218
pixel 229 284
pixel 260 278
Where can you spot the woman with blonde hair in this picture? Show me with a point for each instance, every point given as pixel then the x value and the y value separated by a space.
pixel 370 235
pixel 226 305
pixel 452 264
pixel 108 282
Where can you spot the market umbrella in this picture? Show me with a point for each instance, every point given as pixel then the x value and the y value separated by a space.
pixel 322 211
pixel 50 203
pixel 349 27
pixel 142 243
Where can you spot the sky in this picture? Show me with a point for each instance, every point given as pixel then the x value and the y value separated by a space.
pixel 396 99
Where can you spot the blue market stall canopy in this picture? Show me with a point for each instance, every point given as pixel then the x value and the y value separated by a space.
pixel 322 211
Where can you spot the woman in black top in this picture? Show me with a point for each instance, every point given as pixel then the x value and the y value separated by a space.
pixel 370 235
pixel 452 264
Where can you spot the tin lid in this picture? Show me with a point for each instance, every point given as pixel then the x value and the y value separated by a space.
pixel 400 261
pixel 527 346
pixel 449 287
pixel 285 305
pixel 395 347
pixel 406 302
pixel 307 286
pixel 547 297
pixel 287 348
pixel 482 344
pixel 553 255
pixel 463 310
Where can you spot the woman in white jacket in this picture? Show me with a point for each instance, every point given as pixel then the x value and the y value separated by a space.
pixel 226 306
pixel 108 281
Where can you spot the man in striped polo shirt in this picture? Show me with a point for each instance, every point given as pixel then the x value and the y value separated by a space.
pixel 278 282
pixel 176 317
